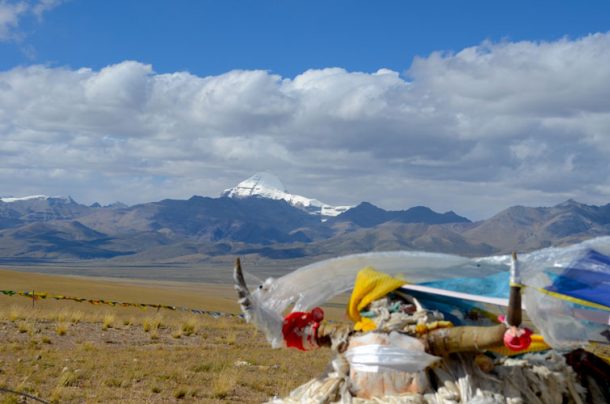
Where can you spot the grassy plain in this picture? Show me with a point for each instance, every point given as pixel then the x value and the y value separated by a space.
pixel 63 351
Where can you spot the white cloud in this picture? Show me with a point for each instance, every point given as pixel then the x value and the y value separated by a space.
pixel 10 13
pixel 42 6
pixel 13 11
pixel 475 131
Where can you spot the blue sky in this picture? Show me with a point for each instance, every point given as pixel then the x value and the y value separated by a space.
pixel 285 37
pixel 472 106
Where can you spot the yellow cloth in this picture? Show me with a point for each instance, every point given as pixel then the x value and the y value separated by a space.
pixel 370 285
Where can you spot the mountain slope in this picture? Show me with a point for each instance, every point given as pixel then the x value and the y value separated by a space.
pixel 523 229
pixel 258 221
pixel 368 215
pixel 57 239
pixel 38 208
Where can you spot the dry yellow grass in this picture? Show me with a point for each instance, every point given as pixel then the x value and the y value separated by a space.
pixel 229 362
pixel 189 326
pixel 61 328
pixel 138 357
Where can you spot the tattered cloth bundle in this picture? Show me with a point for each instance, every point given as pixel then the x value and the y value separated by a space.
pixel 533 378
pixel 441 340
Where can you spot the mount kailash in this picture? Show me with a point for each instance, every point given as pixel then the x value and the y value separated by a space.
pixel 266 185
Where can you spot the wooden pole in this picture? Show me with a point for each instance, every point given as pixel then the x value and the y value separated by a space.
pixel 242 289
pixel 514 314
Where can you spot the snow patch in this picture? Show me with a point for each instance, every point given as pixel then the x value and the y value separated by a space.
pixel 266 185
pixel 24 198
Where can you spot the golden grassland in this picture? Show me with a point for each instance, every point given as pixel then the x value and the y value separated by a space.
pixel 63 351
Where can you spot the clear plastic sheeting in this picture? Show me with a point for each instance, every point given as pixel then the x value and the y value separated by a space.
pixel 266 320
pixel 545 273
pixel 315 284
pixel 567 293
pixel 581 271
pixel 554 320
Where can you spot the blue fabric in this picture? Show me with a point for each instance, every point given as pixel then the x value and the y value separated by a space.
pixel 587 278
pixel 459 311
pixel 496 285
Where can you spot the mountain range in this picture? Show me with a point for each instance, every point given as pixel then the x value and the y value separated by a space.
pixel 260 219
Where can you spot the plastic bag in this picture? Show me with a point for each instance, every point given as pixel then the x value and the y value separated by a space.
pixel 387 364
pixel 374 352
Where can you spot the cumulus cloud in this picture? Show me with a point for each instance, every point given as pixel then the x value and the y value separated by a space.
pixel 475 131
pixel 12 12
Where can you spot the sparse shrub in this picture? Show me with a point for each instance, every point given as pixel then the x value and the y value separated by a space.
pixel 46 340
pixel 189 326
pixel 24 327
pixel 171 376
pixel 146 325
pixel 108 322
pixel 214 364
pixel 68 378
pixel 112 382
pixel 154 334
pixel 61 315
pixel 177 334
pixel 16 313
pixel 180 393
pixel 224 383
pixel 61 329
pixel 151 323
pixel 88 346
pixel 56 397
pixel 156 389
pixel 231 338
pixel 76 317
pixel 138 376
pixel 202 367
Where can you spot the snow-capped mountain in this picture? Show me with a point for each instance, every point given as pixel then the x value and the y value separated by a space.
pixel 265 185
pixel 11 199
